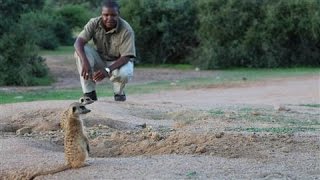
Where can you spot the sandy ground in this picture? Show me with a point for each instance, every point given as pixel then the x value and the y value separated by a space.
pixel 183 134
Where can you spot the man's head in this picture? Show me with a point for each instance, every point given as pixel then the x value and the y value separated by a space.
pixel 110 13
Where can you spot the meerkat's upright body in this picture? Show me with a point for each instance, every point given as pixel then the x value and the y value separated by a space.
pixel 64 115
pixel 76 144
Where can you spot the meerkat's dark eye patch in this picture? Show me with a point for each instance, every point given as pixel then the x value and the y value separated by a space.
pixel 82 107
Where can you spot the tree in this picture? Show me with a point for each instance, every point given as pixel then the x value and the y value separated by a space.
pixel 24 67
pixel 165 30
pixel 258 33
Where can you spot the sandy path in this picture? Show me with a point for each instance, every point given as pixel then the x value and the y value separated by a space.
pixel 304 90
pixel 297 166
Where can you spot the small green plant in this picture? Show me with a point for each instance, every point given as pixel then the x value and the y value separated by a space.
pixel 61 50
pixel 311 105
pixel 216 112
pixel 192 174
pixel 277 130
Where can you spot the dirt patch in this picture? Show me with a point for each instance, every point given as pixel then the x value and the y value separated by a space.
pixel 112 138
pixel 64 70
pixel 215 132
pixel 233 131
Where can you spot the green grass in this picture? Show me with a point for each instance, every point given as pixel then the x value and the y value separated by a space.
pixel 256 74
pixel 75 93
pixel 46 81
pixel 14 97
pixel 61 50
pixel 276 122
pixel 311 105
pixel 170 66
pixel 216 112
pixel 276 130
pixel 269 116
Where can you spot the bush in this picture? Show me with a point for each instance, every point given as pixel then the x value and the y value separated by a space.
pixel 74 15
pixel 63 32
pixel 223 26
pixel 48 29
pixel 291 33
pixel 19 62
pixel 263 33
pixel 20 68
pixel 88 3
pixel 165 30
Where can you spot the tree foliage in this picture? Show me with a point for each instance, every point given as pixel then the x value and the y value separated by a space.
pixel 92 4
pixel 165 30
pixel 19 62
pixel 207 33
pixel 74 16
pixel 258 33
pixel 41 25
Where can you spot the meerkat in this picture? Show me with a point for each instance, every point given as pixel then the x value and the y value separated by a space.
pixel 83 100
pixel 86 100
pixel 76 146
pixel 76 143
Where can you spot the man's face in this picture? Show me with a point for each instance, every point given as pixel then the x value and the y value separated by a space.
pixel 110 17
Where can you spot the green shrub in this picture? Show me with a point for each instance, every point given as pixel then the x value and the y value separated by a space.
pixel 74 15
pixel 40 25
pixel 264 33
pixel 165 30
pixel 23 67
pixel 63 32
pixel 87 3
pixel 291 32
pixel 19 62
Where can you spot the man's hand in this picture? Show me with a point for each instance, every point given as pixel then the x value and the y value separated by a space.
pixel 85 73
pixel 100 75
pixel 86 69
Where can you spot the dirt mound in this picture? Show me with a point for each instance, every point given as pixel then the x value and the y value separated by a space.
pixel 112 138
pixel 194 132
pixel 39 120
pixel 155 143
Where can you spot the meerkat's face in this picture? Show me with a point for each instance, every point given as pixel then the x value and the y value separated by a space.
pixel 78 108
pixel 85 100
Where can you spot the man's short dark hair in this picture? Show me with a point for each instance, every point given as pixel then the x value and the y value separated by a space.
pixel 111 4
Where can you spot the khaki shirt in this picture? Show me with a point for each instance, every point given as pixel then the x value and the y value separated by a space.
pixel 112 44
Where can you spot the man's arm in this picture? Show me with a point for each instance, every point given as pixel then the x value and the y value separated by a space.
pixel 101 74
pixel 79 47
pixel 119 62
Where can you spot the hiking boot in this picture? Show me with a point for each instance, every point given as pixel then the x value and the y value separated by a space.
pixel 120 97
pixel 92 95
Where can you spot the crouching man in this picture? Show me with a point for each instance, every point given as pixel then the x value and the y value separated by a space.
pixel 113 54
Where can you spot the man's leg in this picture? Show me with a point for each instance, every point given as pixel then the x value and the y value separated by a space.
pixel 120 78
pixel 89 86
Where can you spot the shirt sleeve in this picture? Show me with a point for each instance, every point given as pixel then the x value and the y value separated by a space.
pixel 88 31
pixel 127 47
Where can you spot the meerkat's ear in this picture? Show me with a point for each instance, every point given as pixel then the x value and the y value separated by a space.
pixel 74 109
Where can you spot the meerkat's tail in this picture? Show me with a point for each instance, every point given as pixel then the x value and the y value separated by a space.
pixel 53 171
